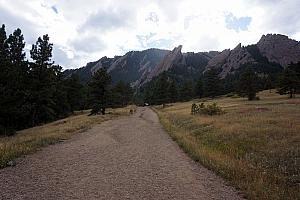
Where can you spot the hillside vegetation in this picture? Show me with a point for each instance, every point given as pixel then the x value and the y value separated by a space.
pixel 30 140
pixel 254 144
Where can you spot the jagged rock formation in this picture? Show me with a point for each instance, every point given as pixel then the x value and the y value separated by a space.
pixel 128 68
pixel 230 60
pixel 272 49
pixel 271 53
pixel 279 48
pixel 186 65
pixel 173 57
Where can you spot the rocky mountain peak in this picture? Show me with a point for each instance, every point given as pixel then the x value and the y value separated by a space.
pixel 175 56
pixel 140 67
pixel 279 48
pixel 230 60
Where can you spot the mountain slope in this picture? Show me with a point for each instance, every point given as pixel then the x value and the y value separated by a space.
pixel 181 65
pixel 279 48
pixel 128 68
pixel 270 54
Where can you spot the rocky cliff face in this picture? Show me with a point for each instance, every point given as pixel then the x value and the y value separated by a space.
pixel 128 68
pixel 173 57
pixel 272 49
pixel 279 48
pixel 140 67
pixel 230 60
pixel 181 65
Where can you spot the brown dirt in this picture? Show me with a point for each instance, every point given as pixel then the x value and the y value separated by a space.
pixel 127 158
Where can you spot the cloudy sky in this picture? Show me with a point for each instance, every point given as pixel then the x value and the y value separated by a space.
pixel 85 30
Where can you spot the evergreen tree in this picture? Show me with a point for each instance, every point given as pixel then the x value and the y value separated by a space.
pixel 14 76
pixel 3 80
pixel 3 48
pixel 41 52
pixel 75 92
pixel 32 92
pixel 121 94
pixel 161 89
pixel 61 103
pixel 248 84
pixel 211 86
pixel 199 89
pixel 100 95
pixel 186 91
pixel 43 82
pixel 172 91
pixel 149 93
pixel 290 80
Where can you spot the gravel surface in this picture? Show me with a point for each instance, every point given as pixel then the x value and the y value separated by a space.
pixel 127 158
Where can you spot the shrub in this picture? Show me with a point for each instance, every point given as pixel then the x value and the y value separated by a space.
pixel 210 109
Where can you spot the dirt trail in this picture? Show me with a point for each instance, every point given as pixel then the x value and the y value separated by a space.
pixel 127 158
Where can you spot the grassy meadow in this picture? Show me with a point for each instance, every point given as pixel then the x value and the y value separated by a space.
pixel 30 140
pixel 255 145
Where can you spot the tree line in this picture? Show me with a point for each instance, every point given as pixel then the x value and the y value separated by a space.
pixel 36 92
pixel 245 82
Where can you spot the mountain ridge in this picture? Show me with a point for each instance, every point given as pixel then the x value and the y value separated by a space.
pixel 140 67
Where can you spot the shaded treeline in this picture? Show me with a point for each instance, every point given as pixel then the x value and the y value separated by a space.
pixel 35 92
pixel 245 82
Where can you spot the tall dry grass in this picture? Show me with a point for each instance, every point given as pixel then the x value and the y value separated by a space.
pixel 30 140
pixel 255 145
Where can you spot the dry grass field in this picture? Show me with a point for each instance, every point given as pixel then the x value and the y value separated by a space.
pixel 30 140
pixel 254 145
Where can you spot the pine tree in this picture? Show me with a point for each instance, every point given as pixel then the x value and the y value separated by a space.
pixel 199 88
pixel 14 77
pixel 43 82
pixel 41 52
pixel 3 80
pixel 149 93
pixel 172 91
pixel 248 84
pixel 290 80
pixel 75 92
pixel 121 94
pixel 61 104
pixel 100 96
pixel 161 89
pixel 31 92
pixel 3 49
pixel 211 86
pixel 186 91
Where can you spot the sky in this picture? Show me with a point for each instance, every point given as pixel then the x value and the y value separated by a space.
pixel 86 30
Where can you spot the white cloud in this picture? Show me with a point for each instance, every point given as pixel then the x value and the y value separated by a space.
pixel 84 31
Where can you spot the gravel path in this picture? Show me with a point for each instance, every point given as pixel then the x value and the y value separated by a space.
pixel 127 158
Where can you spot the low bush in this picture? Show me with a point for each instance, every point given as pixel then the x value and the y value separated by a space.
pixel 209 109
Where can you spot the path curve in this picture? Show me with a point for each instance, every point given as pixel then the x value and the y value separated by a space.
pixel 127 158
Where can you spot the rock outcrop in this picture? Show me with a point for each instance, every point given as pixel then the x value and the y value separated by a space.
pixel 128 68
pixel 230 60
pixel 181 65
pixel 272 52
pixel 173 57
pixel 271 49
pixel 279 48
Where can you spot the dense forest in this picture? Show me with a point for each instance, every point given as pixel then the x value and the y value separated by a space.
pixel 36 92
